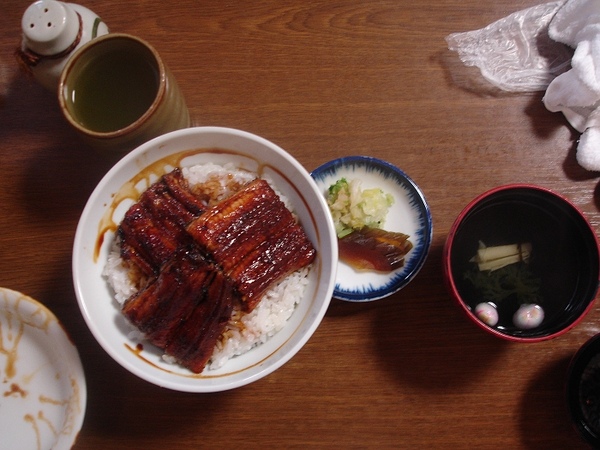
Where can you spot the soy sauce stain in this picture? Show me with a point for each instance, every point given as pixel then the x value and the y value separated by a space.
pixel 15 391
pixel 9 344
pixel 12 331
pixel 29 418
pixel 35 424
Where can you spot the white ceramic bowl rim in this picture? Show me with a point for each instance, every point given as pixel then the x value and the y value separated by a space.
pixel 269 356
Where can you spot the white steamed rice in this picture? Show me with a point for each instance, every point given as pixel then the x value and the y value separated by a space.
pixel 244 331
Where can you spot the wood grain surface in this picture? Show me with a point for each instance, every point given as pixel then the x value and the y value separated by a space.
pixel 322 79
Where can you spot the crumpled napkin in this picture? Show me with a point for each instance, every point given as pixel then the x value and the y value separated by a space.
pixel 525 52
pixel 576 93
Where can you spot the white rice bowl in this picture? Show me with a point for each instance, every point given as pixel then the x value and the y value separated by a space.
pixel 289 312
pixel 247 330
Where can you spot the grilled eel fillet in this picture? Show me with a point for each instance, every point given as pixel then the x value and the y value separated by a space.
pixel 154 227
pixel 203 262
pixel 185 309
pixel 254 238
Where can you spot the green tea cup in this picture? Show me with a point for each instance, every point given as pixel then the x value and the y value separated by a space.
pixel 117 93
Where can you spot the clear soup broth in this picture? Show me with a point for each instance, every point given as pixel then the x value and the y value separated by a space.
pixel 563 258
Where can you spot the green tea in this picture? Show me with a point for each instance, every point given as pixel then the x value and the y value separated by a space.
pixel 114 90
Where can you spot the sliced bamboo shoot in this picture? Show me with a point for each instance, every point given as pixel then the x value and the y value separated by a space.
pixel 498 263
pixel 494 258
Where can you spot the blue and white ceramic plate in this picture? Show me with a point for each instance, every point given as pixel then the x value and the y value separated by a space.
pixel 409 214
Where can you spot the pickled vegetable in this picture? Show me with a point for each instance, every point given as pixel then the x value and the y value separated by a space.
pixel 353 208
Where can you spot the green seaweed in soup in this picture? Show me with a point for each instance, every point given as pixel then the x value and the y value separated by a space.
pixel 514 280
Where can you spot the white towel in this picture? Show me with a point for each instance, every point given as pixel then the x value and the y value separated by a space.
pixel 576 93
pixel 575 22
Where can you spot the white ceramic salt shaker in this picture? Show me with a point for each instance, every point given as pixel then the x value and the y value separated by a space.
pixel 52 31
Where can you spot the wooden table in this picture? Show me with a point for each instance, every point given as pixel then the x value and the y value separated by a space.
pixel 322 79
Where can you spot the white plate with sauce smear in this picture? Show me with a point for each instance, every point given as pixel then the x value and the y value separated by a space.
pixel 409 214
pixel 42 385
